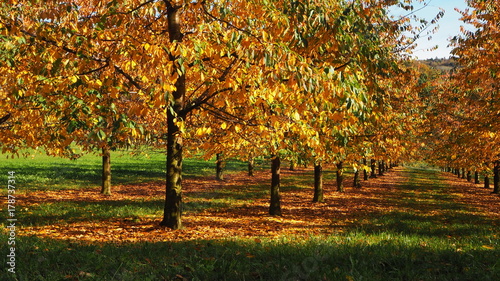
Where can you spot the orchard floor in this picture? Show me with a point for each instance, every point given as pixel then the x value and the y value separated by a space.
pixel 238 208
pixel 410 224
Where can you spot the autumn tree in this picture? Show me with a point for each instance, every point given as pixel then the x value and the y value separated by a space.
pixel 465 136
pixel 62 83
pixel 257 63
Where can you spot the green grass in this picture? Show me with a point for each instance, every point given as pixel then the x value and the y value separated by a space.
pixel 42 172
pixel 71 212
pixel 352 256
pixel 428 236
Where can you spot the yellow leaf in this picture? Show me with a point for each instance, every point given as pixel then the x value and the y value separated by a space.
pixel 169 87
pixel 73 79
pixel 199 132
pixel 223 126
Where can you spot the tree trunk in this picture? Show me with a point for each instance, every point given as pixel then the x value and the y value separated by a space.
pixel 463 173
pixel 219 167
pixel 469 176
pixel 173 197
pixel 486 182
pixel 106 172
pixel 476 177
pixel 340 177
pixel 251 165
pixel 174 111
pixel 380 168
pixel 373 165
pixel 496 178
pixel 293 165
pixel 365 172
pixel 318 183
pixel 356 182
pixel 275 204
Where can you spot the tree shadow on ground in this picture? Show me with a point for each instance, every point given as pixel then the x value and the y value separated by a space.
pixel 345 258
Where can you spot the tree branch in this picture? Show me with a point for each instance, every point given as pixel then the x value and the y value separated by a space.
pixel 129 78
pixel 5 118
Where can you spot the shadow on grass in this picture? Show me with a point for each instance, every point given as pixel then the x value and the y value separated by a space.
pixel 249 193
pixel 73 174
pixel 429 225
pixel 71 211
pixel 80 211
pixel 51 173
pixel 343 258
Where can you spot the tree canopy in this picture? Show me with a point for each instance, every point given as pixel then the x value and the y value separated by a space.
pixel 316 80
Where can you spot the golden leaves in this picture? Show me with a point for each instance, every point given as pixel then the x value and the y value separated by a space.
pixel 242 62
pixel 203 131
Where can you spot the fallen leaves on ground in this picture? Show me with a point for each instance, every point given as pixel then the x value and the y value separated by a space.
pixel 474 195
pixel 301 217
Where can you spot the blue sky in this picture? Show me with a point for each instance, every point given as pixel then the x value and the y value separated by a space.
pixel 449 26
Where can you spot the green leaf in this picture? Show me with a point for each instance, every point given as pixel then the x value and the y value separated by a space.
pixel 101 135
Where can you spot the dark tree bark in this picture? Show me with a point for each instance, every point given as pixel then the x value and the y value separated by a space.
pixel 476 177
pixel 486 182
pixel 318 183
pixel 356 181
pixel 251 166
pixel 365 172
pixel 219 167
pixel 5 118
pixel 173 195
pixel 340 177
pixel 373 167
pixel 469 176
pixel 496 178
pixel 463 173
pixel 275 204
pixel 380 167
pixel 106 172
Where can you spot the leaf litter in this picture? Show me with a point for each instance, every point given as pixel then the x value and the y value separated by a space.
pixel 249 219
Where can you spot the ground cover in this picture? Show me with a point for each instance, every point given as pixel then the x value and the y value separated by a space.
pixel 411 224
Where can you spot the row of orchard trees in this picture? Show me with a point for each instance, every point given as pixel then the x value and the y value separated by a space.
pixel 465 119
pixel 322 81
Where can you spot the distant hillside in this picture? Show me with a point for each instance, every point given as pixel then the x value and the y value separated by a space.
pixel 444 65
